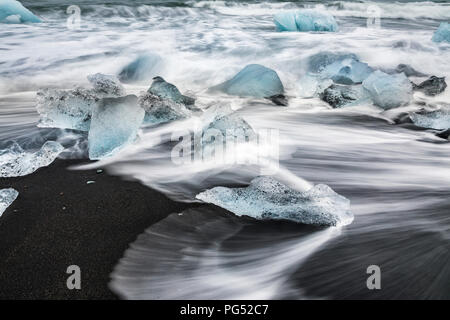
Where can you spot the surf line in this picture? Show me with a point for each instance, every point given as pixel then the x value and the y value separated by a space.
pixel 193 310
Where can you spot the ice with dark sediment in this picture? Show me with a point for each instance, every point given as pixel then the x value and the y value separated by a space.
pixel 432 86
pixel 12 11
pixel 442 34
pixel 7 197
pixel 15 162
pixel 305 20
pixel 166 90
pixel 115 123
pixel 388 91
pixel 141 69
pixel 257 81
pixel 436 119
pixel 159 110
pixel 72 109
pixel 267 199
pixel 339 96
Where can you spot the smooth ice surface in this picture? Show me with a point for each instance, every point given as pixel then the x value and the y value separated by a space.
pixel 439 119
pixel 388 91
pixel 166 90
pixel 305 20
pixel 15 162
pixel 442 33
pixel 12 11
pixel 318 62
pixel 253 81
pixel 266 198
pixel 106 85
pixel 115 123
pixel 142 68
pixel 159 110
pixel 70 109
pixel 7 196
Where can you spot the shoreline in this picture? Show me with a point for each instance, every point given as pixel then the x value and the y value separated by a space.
pixel 59 220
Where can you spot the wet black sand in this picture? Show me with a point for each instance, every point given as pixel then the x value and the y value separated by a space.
pixel 59 220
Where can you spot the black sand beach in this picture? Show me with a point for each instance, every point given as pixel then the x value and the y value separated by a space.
pixel 59 220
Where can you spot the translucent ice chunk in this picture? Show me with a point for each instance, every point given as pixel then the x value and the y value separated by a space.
pixel 432 86
pixel 339 96
pixel 388 91
pixel 347 71
pixel 15 162
pixel 12 11
pixel 442 33
pixel 7 196
pixel 72 109
pixel 115 123
pixel 439 119
pixel 253 81
pixel 166 90
pixel 106 85
pixel 142 68
pixel 266 198
pixel 305 20
pixel 318 61
pixel 69 109
pixel 159 110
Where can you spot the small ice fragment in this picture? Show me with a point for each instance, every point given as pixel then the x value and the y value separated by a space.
pixel 305 20
pixel 99 171
pixel 267 199
pixel 159 110
pixel 253 81
pixel 166 90
pixel 339 96
pixel 7 196
pixel 142 68
pixel 12 11
pixel 439 119
pixel 15 162
pixel 432 86
pixel 106 85
pixel 442 33
pixel 90 182
pixel 388 91
pixel 115 123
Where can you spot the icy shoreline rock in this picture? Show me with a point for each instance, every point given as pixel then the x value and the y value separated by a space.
pixel 158 110
pixel 432 86
pixel 7 197
pixel 15 162
pixel 267 199
pixel 339 96
pixel 305 20
pixel 166 90
pixel 12 11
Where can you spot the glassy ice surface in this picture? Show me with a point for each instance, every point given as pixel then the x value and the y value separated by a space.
pixel 140 69
pixel 12 11
pixel 115 123
pixel 253 81
pixel 305 20
pixel 439 119
pixel 347 71
pixel 166 90
pixel 159 110
pixel 442 34
pixel 266 198
pixel 7 196
pixel 388 91
pixel 14 161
